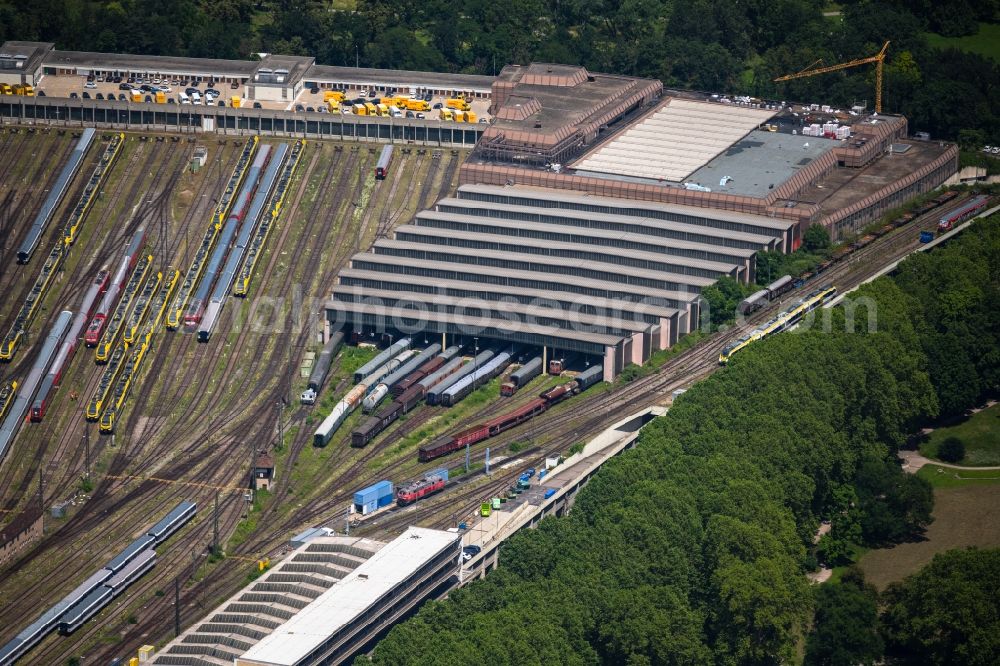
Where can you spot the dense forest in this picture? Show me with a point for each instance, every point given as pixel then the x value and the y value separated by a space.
pixel 693 547
pixel 736 47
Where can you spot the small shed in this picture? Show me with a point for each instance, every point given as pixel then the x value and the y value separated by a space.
pixel 263 471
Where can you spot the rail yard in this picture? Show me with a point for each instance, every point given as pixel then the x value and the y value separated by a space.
pixel 171 340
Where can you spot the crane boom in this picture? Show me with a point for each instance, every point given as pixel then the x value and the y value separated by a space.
pixel 878 59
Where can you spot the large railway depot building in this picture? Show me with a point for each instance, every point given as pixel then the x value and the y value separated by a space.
pixel 592 211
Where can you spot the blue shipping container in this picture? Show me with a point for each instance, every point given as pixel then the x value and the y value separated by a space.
pixel 550 492
pixel 442 472
pixel 371 498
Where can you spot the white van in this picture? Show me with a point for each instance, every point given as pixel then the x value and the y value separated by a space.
pixel 183 98
pixel 196 98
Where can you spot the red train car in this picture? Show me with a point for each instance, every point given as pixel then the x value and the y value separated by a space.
pixel 516 417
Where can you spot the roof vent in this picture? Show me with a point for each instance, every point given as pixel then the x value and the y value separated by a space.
pixel 363 576
pixel 538 126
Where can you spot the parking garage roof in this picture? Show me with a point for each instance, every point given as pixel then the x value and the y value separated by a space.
pixel 149 63
pixel 398 78
pixel 347 600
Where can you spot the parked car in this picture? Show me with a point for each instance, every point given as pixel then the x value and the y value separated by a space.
pixel 149 99
pixel 428 97
pixel 299 107
pixel 122 97
pixel 170 100
pixel 73 95
pixel 469 552
pixel 90 84
pixel 313 90
pixel 409 114
pixel 86 95
pixel 439 105
pixel 221 103
pixel 234 85
pixel 124 86
pixel 41 93
pixel 420 115
pixel 257 105
pixel 99 96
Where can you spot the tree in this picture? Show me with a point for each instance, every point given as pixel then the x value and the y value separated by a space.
pixel 952 450
pixel 948 612
pixel 816 238
pixel 723 297
pixel 845 628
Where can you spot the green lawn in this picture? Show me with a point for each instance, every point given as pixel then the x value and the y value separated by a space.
pixel 948 477
pixel 980 433
pixel 986 42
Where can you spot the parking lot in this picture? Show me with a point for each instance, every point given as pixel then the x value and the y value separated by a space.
pixel 307 101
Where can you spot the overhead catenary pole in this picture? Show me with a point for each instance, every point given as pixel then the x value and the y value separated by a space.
pixel 177 606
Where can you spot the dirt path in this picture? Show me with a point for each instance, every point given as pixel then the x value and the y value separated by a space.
pixel 913 461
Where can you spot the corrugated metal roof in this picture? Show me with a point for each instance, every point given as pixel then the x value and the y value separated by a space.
pixel 673 141
pixel 294 641
pixel 441 286
pixel 629 207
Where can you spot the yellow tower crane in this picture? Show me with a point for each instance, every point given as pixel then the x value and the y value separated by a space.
pixel 878 59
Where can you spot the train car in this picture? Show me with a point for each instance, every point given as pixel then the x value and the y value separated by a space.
pixel 753 302
pixel 207 323
pixel 372 400
pixel 131 551
pixel 557 394
pixel 55 195
pixel 411 397
pixel 446 444
pixel 7 395
pixel 508 389
pixel 404 369
pixel 516 417
pixel 460 389
pixel 237 213
pixel 132 572
pixel 375 424
pixel 384 160
pixel 340 412
pixel 527 372
pixel 447 370
pixel 971 208
pixel 589 377
pixel 89 606
pixel 173 521
pixel 380 359
pixel 414 377
pixel 322 367
pixel 436 394
pixel 780 286
pixel 25 392
pixel 114 287
pixel 416 490
pixel 559 364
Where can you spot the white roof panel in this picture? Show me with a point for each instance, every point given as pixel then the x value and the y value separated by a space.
pixel 676 140
pixel 297 638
